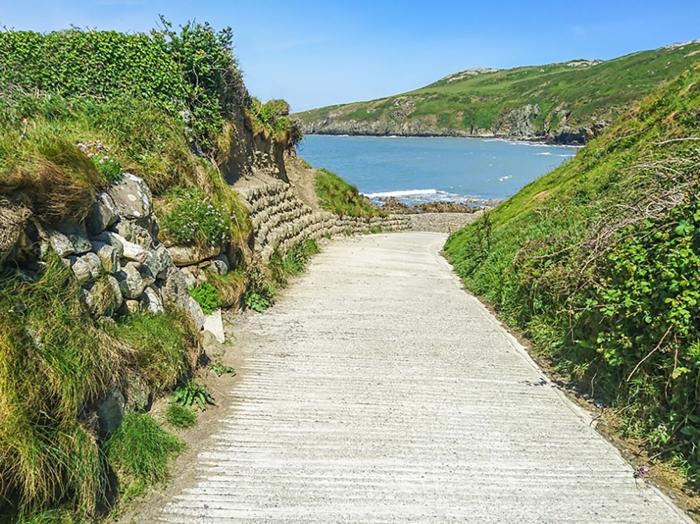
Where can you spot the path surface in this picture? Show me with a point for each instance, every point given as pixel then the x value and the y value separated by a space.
pixel 379 391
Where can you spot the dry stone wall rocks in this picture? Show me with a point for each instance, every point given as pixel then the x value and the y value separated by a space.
pixel 280 220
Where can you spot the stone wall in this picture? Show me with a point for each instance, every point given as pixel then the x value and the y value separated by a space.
pixel 280 220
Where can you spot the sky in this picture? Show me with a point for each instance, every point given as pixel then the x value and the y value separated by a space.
pixel 316 53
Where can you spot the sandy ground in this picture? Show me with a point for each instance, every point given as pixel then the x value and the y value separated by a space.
pixel 377 390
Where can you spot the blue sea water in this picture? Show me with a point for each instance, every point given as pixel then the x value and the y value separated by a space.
pixel 424 169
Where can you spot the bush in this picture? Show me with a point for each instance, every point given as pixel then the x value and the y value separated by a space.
pixel 193 393
pixel 207 297
pixel 192 218
pixel 139 452
pixel 337 196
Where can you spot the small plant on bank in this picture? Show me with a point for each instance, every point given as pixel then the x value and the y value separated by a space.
pixel 375 229
pixel 219 369
pixel 139 452
pixel 192 218
pixel 193 393
pixel 180 416
pixel 207 297
pixel 259 296
pixel 110 168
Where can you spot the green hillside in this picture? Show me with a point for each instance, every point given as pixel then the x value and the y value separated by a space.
pixel 567 102
pixel 599 263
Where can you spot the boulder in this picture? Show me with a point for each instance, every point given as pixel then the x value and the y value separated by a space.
pixel 173 289
pixel 215 325
pixel 102 215
pixel 189 276
pixel 85 268
pixel 108 255
pixel 159 261
pixel 77 236
pixel 132 306
pixel 132 197
pixel 151 301
pixel 131 281
pixel 191 255
pixel 138 394
pixel 195 311
pixel 60 243
pixel 133 232
pixel 218 265
pixel 129 250
pixel 110 412
pixel 111 239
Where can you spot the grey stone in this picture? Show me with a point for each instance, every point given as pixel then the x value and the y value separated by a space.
pixel 132 197
pixel 110 412
pixel 60 243
pixel 189 276
pixel 192 255
pixel 86 268
pixel 218 265
pixel 102 215
pixel 162 261
pixel 129 250
pixel 173 287
pixel 133 232
pixel 214 325
pixel 195 311
pixel 111 239
pixel 131 281
pixel 151 301
pixel 77 236
pixel 108 255
pixel 132 306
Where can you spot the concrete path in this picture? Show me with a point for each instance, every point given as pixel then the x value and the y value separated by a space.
pixel 379 391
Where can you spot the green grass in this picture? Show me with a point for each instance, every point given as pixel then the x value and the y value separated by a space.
pixel 337 196
pixel 139 452
pixel 164 345
pixel 193 218
pixel 598 262
pixel 180 416
pixel 586 94
pixel 53 362
pixel 230 287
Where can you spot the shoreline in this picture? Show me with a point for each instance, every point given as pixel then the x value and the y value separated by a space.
pixel 532 141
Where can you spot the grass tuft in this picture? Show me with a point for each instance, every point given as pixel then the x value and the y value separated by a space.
pixel 337 196
pixel 139 452
pixel 180 416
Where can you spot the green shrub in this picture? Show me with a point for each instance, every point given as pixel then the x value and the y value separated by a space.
pixel 259 295
pixel 257 301
pixel 337 196
pixel 193 393
pixel 109 168
pixel 139 452
pixel 180 416
pixel 192 218
pixel 207 297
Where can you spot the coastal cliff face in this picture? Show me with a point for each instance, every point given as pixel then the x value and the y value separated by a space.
pixel 566 103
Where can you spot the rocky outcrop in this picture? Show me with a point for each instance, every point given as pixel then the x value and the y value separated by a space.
pixel 280 220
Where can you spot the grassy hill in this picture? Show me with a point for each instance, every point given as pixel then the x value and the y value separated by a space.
pixel 598 262
pixel 568 102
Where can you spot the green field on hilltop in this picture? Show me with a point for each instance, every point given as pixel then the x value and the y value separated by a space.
pixel 567 96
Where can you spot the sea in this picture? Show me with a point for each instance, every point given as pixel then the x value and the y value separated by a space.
pixel 424 169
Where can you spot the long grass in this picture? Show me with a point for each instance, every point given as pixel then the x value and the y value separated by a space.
pixel 336 195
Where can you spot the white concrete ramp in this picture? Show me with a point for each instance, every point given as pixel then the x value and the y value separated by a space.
pixel 380 391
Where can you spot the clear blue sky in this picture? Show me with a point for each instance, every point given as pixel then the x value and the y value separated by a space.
pixel 316 53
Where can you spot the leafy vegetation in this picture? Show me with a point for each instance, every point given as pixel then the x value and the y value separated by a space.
pixel 336 195
pixel 192 218
pixel 272 118
pixel 229 287
pixel 568 96
pixel 260 295
pixel 193 393
pixel 219 369
pixel 180 416
pixel 207 297
pixel 598 262
pixel 139 452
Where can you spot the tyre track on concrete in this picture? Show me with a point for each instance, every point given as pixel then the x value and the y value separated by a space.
pixel 379 391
